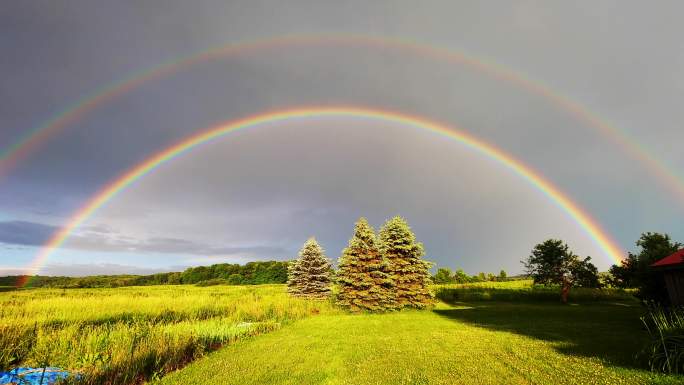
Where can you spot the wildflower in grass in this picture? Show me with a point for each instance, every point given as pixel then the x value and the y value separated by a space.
pixel 409 272
pixel 309 275
pixel 363 275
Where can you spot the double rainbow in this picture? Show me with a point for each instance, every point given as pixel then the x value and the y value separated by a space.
pixel 584 220
pixel 12 154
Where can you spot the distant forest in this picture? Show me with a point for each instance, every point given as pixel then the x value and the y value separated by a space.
pixel 252 273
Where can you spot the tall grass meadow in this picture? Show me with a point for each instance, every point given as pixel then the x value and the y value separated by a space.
pixel 136 334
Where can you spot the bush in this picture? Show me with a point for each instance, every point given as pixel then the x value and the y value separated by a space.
pixel 212 282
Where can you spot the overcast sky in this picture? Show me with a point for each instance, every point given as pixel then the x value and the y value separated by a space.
pixel 258 194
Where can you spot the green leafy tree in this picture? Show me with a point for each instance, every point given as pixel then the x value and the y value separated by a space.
pixel 502 275
pixel 234 279
pixel 606 279
pixel 443 275
pixel 584 273
pixel 549 262
pixel 309 275
pixel 408 270
pixel 552 262
pixel 460 276
pixel 363 274
pixel 635 270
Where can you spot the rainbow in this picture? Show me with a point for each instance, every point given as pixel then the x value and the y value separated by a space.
pixel 11 155
pixel 584 220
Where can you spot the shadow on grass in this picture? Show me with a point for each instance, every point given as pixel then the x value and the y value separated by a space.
pixel 610 332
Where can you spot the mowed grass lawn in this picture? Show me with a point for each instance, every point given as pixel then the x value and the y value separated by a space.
pixel 478 343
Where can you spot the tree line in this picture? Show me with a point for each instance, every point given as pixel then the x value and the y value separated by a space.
pixel 445 275
pixel 553 263
pixel 251 273
pixel 376 272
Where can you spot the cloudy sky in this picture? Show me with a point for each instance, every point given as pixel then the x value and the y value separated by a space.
pixel 258 194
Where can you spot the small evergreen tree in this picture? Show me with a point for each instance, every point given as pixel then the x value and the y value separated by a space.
pixel 295 278
pixel 362 275
pixel 309 275
pixel 408 271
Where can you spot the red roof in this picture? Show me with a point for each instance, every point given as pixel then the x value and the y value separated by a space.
pixel 674 259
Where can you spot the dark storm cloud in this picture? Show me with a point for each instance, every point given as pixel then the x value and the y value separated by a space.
pixel 25 233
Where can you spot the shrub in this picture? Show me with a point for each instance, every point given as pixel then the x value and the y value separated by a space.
pixel 16 342
pixel 212 282
pixel 665 350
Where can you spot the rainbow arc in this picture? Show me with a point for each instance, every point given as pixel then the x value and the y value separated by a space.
pixel 109 192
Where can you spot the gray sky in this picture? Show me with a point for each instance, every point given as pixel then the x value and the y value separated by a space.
pixel 258 194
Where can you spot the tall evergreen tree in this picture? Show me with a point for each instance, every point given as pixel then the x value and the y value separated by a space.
pixel 309 275
pixel 362 276
pixel 409 272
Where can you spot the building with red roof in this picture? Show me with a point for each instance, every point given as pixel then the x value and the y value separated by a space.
pixel 672 268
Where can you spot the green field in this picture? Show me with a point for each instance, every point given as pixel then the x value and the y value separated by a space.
pixel 127 335
pixel 172 335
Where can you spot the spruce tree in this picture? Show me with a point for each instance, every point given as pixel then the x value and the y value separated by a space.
pixel 408 271
pixel 295 277
pixel 309 275
pixel 363 279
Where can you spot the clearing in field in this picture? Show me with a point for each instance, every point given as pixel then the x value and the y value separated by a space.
pixel 492 343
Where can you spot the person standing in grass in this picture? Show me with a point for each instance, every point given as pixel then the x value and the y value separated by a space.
pixel 309 275
pixel 409 272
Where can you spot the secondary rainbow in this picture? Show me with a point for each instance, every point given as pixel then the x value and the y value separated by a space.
pixel 584 220
pixel 665 174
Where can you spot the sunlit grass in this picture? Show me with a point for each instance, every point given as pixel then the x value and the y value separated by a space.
pixel 492 343
pixel 526 291
pixel 126 335
pixel 136 334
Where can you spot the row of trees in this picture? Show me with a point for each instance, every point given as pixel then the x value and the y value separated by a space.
pixel 444 275
pixel 375 272
pixel 552 262
pixel 251 273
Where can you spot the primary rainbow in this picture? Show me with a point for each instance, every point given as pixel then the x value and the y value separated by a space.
pixel 584 220
pixel 12 154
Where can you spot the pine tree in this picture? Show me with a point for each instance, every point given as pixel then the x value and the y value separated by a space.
pixel 363 278
pixel 309 275
pixel 295 276
pixel 409 272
